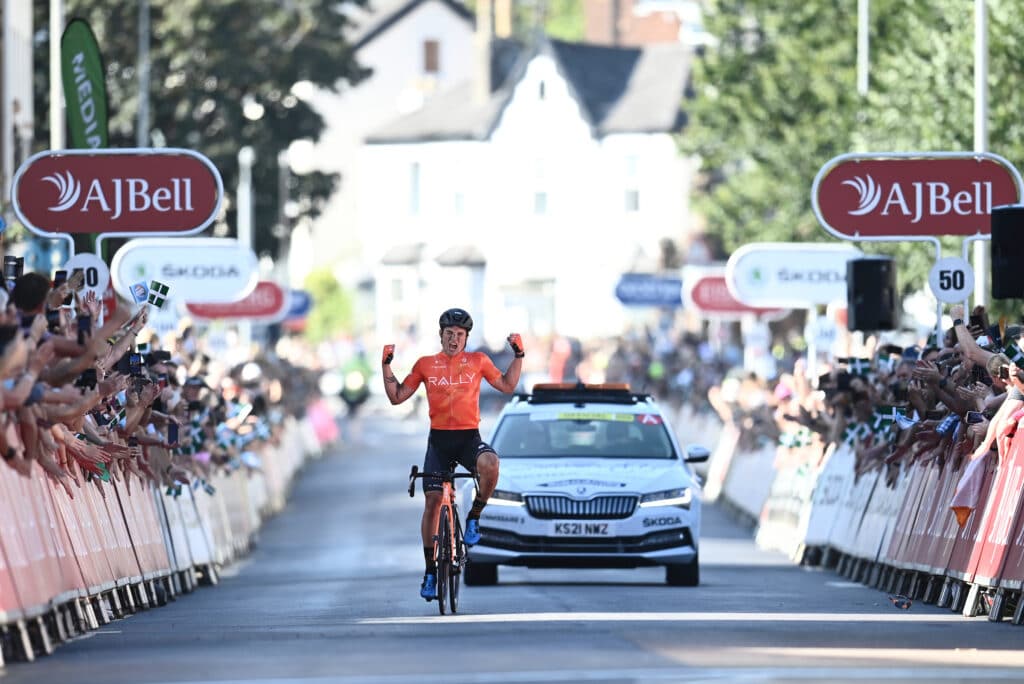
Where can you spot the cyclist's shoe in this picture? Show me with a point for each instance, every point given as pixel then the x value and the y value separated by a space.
pixel 472 535
pixel 428 589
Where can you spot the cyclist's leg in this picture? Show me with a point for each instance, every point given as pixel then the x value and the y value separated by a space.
pixel 484 461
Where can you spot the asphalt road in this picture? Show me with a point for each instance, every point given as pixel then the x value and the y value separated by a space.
pixel 331 595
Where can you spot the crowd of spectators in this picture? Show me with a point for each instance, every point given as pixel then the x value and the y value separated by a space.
pixel 946 399
pixel 90 394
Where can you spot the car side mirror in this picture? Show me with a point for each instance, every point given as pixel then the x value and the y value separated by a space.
pixel 695 453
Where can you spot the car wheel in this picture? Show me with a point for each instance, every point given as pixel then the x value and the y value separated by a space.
pixel 686 575
pixel 481 574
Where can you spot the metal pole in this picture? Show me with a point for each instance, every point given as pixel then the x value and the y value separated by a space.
pixel 142 125
pixel 246 157
pixel 863 14
pixel 56 84
pixel 981 266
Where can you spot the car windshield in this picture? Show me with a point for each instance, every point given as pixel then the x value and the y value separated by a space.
pixel 582 434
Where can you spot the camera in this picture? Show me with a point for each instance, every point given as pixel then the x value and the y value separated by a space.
pixel 87 380
pixel 53 320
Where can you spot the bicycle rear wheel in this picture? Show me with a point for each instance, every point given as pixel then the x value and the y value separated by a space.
pixel 444 560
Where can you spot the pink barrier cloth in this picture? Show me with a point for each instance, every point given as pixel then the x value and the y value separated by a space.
pixel 323 422
pixel 1001 513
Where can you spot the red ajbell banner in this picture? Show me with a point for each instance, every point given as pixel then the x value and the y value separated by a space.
pixel 893 196
pixel 117 191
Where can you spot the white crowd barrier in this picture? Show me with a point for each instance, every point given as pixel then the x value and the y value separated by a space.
pixel 891 526
pixel 68 565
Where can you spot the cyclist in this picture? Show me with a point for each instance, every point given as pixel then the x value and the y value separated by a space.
pixel 452 380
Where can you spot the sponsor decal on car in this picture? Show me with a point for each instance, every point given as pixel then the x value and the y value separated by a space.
pixel 495 517
pixel 667 520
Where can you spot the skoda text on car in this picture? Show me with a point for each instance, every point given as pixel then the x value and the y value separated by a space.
pixel 591 476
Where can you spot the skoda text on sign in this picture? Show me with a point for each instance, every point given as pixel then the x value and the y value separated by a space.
pixel 710 294
pixel 267 303
pixel 791 275
pixel 117 192
pixel 197 269
pixel 895 196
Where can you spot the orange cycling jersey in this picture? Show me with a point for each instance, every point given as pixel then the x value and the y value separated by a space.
pixel 453 387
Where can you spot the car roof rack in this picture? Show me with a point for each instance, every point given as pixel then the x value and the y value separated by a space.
pixel 580 394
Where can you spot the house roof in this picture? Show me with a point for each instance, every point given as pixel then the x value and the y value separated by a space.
pixel 380 15
pixel 621 89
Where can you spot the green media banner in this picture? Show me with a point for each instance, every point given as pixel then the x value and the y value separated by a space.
pixel 85 90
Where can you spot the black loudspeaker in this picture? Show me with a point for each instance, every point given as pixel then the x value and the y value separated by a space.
pixel 1007 252
pixel 871 294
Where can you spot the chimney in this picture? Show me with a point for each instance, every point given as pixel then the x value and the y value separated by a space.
pixel 503 18
pixel 484 37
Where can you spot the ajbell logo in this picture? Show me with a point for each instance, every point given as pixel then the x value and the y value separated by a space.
pixel 69 190
pixel 932 198
pixel 118 195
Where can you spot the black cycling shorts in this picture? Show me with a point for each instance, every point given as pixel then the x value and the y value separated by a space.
pixel 446 448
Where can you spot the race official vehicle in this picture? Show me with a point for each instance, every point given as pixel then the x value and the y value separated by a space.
pixel 591 476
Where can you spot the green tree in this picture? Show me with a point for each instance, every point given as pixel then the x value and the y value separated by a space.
pixel 332 311
pixel 777 98
pixel 209 60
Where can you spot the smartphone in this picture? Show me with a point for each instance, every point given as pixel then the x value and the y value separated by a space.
pixel 161 380
pixel 135 364
pixel 172 432
pixel 1004 372
pixel 12 270
pixel 974 417
pixel 84 327
pixel 53 321
pixel 975 320
pixel 59 277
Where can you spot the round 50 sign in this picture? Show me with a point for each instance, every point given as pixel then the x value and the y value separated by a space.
pixel 951 279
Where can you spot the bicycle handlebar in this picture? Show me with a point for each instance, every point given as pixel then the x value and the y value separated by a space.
pixel 449 476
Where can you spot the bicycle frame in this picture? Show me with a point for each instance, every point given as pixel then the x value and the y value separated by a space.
pixel 449 549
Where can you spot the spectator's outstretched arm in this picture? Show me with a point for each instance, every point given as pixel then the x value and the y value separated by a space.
pixel 968 346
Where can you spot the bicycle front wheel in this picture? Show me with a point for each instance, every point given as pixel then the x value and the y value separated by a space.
pixel 443 554
pixel 455 574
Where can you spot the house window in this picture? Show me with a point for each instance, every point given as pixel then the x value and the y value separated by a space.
pixel 632 201
pixel 632 196
pixel 414 188
pixel 540 195
pixel 431 57
pixel 541 90
pixel 540 202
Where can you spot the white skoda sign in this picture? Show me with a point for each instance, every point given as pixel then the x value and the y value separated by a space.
pixel 792 275
pixel 202 270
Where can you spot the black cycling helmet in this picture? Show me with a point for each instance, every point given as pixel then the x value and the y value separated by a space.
pixel 456 318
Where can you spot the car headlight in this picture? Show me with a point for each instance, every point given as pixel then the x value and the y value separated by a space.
pixel 500 497
pixel 670 497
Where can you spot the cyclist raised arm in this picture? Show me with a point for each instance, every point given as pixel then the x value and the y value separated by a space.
pixel 452 380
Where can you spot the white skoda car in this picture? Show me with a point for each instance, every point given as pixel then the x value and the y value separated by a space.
pixel 591 476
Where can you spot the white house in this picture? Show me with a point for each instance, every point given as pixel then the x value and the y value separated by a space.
pixel 525 193
pixel 414 48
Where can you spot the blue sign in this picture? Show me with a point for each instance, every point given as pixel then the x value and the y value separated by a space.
pixel 641 289
pixel 299 304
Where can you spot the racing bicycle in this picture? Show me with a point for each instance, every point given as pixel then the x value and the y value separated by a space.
pixel 449 549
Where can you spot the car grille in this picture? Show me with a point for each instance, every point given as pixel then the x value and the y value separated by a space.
pixel 566 508
pixel 654 541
